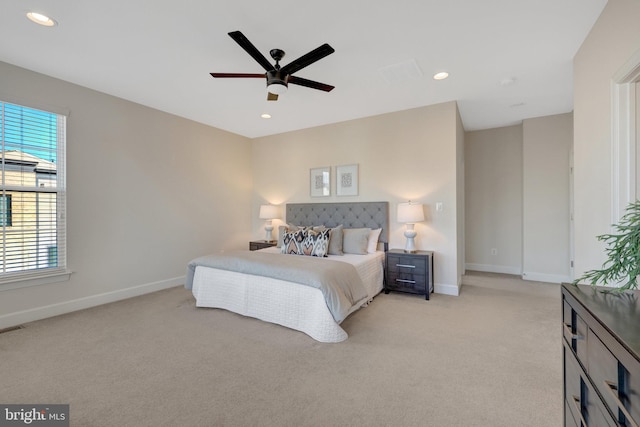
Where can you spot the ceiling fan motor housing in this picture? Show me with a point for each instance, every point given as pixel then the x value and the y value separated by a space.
pixel 277 83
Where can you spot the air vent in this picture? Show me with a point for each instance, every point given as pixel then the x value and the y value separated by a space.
pixel 402 72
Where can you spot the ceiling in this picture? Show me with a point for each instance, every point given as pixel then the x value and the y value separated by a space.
pixel 507 59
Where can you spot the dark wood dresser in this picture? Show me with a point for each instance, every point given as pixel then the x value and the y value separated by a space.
pixel 601 348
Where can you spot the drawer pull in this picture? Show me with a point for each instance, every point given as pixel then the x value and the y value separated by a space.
pixel 612 388
pixel 573 336
pixel 405 265
pixel 406 281
pixel 576 404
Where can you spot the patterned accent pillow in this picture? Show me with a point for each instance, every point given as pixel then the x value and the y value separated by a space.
pixel 292 242
pixel 316 243
pixel 286 229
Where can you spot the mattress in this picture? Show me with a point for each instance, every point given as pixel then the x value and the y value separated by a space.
pixel 295 306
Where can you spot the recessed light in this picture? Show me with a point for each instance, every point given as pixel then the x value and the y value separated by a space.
pixel 41 19
pixel 441 75
pixel 265 115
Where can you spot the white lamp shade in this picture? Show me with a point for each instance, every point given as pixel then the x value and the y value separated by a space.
pixel 269 212
pixel 410 213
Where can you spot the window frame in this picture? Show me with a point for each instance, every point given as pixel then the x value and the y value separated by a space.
pixel 38 275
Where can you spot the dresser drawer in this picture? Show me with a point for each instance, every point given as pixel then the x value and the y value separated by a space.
pixel 618 384
pixel 572 384
pixel 575 332
pixel 603 370
pixel 569 421
pixel 581 398
pixel 631 397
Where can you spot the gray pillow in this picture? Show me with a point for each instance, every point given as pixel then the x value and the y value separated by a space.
pixel 335 242
pixel 355 240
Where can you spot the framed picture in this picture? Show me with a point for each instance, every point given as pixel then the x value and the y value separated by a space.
pixel 347 180
pixel 320 182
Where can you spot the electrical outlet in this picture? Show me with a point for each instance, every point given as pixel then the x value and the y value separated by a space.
pixel 494 251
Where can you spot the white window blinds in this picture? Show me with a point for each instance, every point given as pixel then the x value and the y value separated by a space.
pixel 32 192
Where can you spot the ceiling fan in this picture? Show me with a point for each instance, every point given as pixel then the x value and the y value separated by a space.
pixel 278 78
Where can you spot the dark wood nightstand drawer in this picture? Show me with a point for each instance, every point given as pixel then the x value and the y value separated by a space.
pixel 407 264
pixel 404 282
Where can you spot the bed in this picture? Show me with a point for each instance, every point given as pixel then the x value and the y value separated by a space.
pixel 278 298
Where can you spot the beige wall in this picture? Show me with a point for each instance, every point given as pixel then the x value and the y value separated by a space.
pixel 406 155
pixel 147 192
pixel 460 195
pixel 517 199
pixel 493 165
pixel 614 39
pixel 546 220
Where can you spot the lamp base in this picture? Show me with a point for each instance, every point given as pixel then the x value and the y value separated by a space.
pixel 268 235
pixel 410 246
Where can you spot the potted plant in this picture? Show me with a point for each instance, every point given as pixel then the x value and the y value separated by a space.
pixel 623 254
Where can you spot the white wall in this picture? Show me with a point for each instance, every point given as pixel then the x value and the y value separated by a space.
pixel 546 220
pixel 147 192
pixel 493 167
pixel 406 155
pixel 614 38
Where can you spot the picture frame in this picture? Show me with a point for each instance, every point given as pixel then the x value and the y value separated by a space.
pixel 320 182
pixel 347 180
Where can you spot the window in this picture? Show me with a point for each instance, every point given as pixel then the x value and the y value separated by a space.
pixel 32 193
pixel 5 210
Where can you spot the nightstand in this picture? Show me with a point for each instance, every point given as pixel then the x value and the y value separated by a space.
pixel 261 244
pixel 409 272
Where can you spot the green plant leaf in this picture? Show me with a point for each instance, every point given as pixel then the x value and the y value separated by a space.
pixel 623 254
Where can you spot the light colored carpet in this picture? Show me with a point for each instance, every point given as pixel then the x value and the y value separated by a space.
pixel 489 357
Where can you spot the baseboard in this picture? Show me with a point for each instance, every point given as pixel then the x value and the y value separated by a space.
pixel 548 278
pixel 25 316
pixel 487 268
pixel 446 289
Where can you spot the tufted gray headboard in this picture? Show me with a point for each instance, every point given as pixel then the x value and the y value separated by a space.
pixel 351 215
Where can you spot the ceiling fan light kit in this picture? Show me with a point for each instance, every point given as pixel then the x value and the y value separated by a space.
pixel 278 78
pixel 277 88
pixel 276 82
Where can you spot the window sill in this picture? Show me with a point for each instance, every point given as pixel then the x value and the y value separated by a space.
pixel 36 279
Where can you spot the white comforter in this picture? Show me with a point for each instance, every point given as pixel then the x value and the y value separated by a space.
pixel 278 301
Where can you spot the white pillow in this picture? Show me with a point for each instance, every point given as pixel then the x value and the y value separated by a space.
pixel 374 235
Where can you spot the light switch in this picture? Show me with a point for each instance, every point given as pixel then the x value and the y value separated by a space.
pixel 439 207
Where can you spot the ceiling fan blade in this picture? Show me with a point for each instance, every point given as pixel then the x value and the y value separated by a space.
pixel 310 83
pixel 272 96
pixel 308 59
pixel 241 75
pixel 251 50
